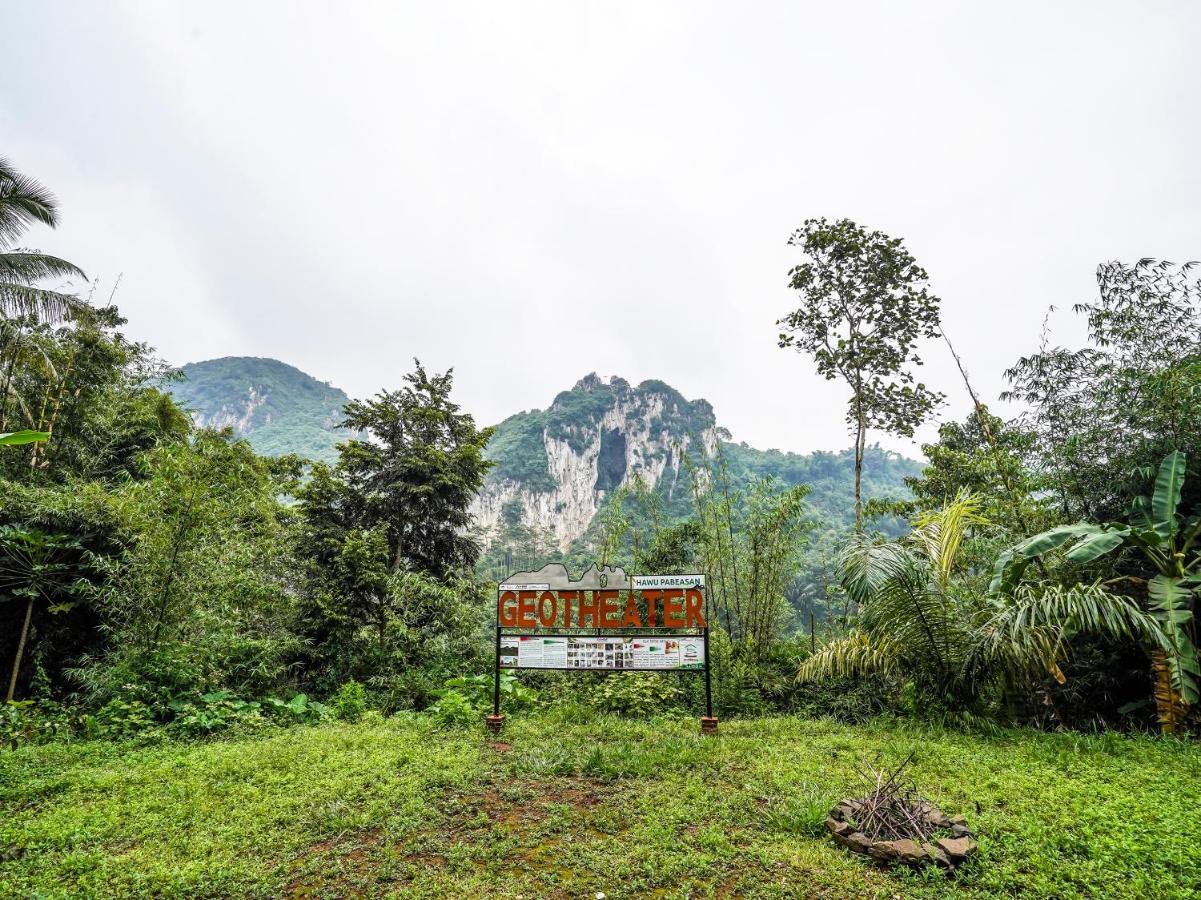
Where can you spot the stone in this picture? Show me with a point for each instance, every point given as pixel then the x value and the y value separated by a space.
pixel 856 841
pixel 959 831
pixel 936 854
pixel 838 827
pixel 959 819
pixel 845 811
pixel 957 848
pixel 904 850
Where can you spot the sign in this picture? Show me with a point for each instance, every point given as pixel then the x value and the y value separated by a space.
pixel 542 617
pixel 601 653
pixel 601 599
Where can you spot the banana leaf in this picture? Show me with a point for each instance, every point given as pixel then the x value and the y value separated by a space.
pixel 1167 493
pixel 1013 562
pixel 1171 603
pixel 1097 545
pixel 14 438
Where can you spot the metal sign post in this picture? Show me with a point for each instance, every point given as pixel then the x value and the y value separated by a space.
pixel 604 621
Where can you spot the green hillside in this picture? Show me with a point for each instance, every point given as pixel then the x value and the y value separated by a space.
pixel 277 407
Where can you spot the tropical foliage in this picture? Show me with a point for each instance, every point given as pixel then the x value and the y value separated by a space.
pixel 923 623
pixel 1166 542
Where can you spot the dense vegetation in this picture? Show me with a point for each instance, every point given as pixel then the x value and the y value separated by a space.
pixel 164 582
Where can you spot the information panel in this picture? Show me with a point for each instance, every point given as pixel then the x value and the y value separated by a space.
pixel 602 653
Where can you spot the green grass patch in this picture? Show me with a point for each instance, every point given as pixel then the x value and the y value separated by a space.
pixel 569 809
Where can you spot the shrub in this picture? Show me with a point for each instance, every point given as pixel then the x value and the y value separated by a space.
pixel 27 722
pixel 350 702
pixel 636 694
pixel 453 710
pixel 478 689
pixel 121 719
pixel 300 710
pixel 214 712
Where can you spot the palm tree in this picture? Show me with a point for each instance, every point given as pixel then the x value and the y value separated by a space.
pixel 918 624
pixel 24 202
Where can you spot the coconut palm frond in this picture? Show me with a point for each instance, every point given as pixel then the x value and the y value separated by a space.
pixel 940 532
pixel 23 202
pixel 915 613
pixel 44 305
pixel 30 266
pixel 864 566
pixel 903 605
pixel 854 655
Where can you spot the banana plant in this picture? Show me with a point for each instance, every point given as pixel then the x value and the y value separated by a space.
pixel 1169 543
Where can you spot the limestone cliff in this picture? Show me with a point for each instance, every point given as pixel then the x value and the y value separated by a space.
pixel 555 467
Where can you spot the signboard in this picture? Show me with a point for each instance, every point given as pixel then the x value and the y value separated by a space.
pixel 604 621
pixel 601 653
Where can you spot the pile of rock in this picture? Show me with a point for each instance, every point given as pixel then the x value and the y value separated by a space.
pixel 938 838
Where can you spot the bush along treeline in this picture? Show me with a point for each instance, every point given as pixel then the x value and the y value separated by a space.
pixel 159 579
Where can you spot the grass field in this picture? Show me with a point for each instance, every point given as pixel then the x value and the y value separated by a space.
pixel 568 810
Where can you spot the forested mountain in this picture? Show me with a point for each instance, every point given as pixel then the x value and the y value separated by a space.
pixel 557 468
pixel 277 407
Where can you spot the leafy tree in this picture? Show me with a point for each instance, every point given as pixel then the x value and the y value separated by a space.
pixel 749 545
pixel 420 472
pixel 987 458
pixel 864 306
pixel 86 386
pixel 201 599
pixel 1100 415
pixel 1167 543
pixel 24 202
pixel 385 533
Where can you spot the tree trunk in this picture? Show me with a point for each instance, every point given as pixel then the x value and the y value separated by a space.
pixel 860 441
pixel 12 681
pixel 1169 705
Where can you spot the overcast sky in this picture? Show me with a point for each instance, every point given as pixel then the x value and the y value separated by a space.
pixel 530 192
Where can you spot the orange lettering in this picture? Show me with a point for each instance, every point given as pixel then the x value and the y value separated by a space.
pixel 607 612
pixel 506 611
pixel 631 619
pixel 525 609
pixel 547 618
pixel 673 608
pixel 567 597
pixel 588 608
pixel 693 599
pixel 651 597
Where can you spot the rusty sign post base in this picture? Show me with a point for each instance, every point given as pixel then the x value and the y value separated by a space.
pixel 495 723
pixel 708 724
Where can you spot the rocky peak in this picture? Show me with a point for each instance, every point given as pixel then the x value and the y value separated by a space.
pixel 558 465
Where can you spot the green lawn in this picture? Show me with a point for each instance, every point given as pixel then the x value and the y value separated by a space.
pixel 627 808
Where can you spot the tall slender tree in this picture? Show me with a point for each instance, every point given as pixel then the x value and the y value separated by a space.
pixel 864 306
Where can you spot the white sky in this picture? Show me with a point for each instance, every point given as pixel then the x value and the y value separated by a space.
pixel 530 192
